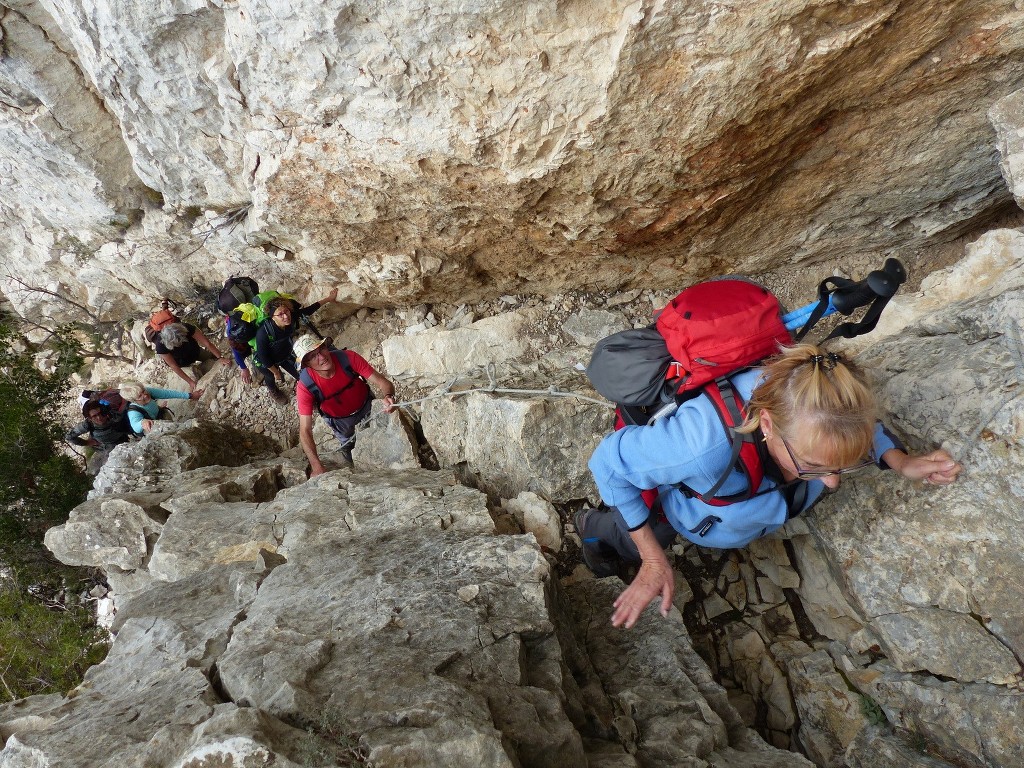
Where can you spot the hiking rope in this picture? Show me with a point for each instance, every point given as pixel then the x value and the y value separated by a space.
pixel 1013 333
pixel 491 386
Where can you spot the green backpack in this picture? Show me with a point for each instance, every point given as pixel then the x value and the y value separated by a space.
pixel 245 319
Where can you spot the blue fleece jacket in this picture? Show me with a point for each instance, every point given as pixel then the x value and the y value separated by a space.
pixel 152 408
pixel 692 447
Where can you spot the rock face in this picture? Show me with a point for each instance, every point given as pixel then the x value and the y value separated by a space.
pixel 910 591
pixel 515 445
pixel 379 609
pixel 427 154
pixel 361 614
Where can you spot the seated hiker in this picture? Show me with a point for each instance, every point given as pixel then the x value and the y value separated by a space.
pixel 143 408
pixel 335 383
pixel 273 342
pixel 181 345
pixel 812 415
pixel 106 428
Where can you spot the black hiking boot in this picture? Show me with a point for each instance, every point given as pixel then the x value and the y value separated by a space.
pixel 599 559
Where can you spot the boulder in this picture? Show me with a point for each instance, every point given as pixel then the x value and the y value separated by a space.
pixel 537 516
pixel 386 441
pixel 439 354
pixel 515 444
pixel 957 722
pixel 149 463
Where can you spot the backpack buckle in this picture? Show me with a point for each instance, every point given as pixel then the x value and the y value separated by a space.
pixel 676 370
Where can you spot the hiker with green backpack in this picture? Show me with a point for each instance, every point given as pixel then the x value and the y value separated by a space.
pixel 273 340
pixel 720 447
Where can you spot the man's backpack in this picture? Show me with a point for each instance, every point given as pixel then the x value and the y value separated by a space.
pixel 236 290
pixel 343 362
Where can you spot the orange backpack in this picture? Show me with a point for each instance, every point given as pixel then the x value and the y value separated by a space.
pixel 157 322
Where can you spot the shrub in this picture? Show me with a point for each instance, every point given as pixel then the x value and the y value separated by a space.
pixel 46 648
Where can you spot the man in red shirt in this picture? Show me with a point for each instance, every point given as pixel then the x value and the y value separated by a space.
pixel 335 383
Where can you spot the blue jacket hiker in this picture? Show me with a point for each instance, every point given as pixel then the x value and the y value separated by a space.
pixel 810 418
pixel 143 408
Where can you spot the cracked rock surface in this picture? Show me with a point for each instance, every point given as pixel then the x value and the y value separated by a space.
pixel 264 620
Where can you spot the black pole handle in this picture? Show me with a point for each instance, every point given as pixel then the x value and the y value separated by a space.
pixel 880 283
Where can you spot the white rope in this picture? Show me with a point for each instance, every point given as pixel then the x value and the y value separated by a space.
pixel 490 387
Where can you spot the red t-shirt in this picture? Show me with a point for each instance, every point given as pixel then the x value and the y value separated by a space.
pixel 349 401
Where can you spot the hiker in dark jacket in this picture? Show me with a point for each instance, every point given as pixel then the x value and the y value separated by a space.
pixel 338 389
pixel 273 342
pixel 106 429
pixel 181 345
pixel 814 415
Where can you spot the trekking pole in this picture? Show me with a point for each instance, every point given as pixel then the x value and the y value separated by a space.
pixel 847 296
pixel 309 324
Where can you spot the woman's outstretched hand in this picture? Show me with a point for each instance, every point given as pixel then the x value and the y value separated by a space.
pixel 654 578
pixel 937 467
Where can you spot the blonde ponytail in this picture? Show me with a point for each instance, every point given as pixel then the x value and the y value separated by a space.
pixel 821 395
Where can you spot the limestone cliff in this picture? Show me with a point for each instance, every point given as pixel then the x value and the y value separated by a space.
pixel 420 152
pixel 359 616
pixel 400 617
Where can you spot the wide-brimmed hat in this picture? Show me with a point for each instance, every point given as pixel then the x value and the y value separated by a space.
pixel 303 346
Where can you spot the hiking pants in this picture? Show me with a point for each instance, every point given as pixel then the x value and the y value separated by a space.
pixel 344 428
pixel 609 527
pixel 268 375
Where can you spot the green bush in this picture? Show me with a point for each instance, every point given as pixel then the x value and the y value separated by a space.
pixel 42 648
pixel 45 650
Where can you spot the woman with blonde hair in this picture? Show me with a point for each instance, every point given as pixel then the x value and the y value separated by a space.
pixel 813 416
pixel 143 408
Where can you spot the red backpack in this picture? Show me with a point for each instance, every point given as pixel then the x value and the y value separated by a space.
pixel 707 332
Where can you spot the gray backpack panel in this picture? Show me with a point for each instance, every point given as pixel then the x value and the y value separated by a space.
pixel 629 367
